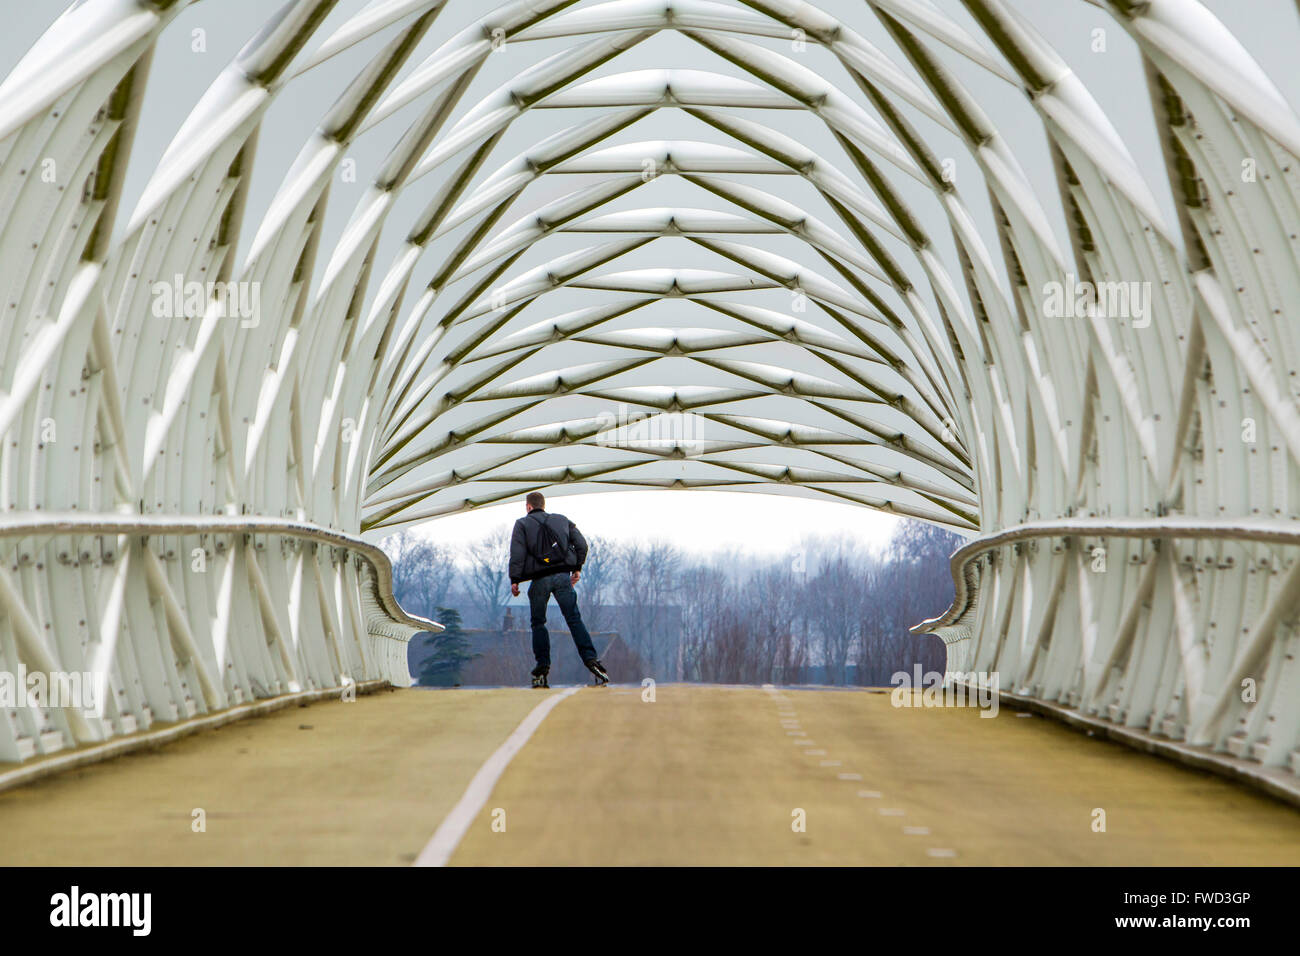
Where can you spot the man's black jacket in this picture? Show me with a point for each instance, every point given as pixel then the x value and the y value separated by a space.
pixel 524 565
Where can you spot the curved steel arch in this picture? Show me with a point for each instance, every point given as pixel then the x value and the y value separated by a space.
pixel 188 497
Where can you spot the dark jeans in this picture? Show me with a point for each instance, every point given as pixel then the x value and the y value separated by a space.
pixel 539 593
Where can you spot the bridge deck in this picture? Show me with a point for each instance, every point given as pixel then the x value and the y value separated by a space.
pixel 701 775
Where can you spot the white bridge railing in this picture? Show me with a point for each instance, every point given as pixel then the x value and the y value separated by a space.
pixel 195 615
pixel 1137 657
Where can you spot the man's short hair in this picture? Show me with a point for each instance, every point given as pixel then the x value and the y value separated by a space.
pixel 536 499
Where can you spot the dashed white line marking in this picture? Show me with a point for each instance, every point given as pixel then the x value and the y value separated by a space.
pixel 1021 713
pixel 457 823
pixel 789 721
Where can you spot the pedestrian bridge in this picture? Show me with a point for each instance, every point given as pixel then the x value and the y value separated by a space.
pixel 400 259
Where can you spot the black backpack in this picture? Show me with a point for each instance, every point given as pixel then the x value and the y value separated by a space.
pixel 550 550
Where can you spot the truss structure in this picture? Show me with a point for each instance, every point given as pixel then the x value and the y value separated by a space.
pixel 192 489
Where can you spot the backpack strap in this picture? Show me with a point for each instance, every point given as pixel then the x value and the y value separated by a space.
pixel 541 521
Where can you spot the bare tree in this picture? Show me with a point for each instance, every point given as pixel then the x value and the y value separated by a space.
pixel 916 577
pixel 489 578
pixel 835 596
pixel 775 596
pixel 599 586
pixel 702 595
pixel 423 572
pixel 649 575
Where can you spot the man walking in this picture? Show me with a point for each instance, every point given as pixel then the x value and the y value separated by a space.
pixel 549 550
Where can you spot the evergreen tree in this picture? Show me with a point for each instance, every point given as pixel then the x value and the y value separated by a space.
pixel 450 652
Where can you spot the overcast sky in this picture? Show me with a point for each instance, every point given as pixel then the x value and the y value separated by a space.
pixel 696 520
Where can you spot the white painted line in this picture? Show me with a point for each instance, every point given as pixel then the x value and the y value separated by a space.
pixel 832 763
pixel 1021 713
pixel 454 827
pixel 850 776
pixel 890 812
pixel 803 743
pixel 916 831
pixel 796 733
pixel 943 853
pixel 869 794
pixel 815 753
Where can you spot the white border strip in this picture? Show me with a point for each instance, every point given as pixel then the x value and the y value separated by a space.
pixel 457 823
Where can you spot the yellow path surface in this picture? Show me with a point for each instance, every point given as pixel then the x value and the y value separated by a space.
pixel 702 775
pixel 712 775
pixel 366 783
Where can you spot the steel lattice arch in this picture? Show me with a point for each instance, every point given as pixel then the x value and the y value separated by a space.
pixel 192 494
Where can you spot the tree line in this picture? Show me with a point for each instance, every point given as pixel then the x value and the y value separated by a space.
pixel 829 612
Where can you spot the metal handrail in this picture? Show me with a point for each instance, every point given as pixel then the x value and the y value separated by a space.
pixel 32 524
pixel 1230 529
